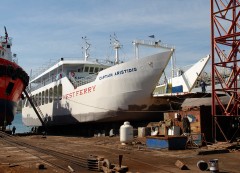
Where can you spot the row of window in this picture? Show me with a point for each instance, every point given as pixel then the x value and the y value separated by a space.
pixel 47 96
pixel 90 69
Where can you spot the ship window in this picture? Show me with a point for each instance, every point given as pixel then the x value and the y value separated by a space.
pixel 80 69
pixel 24 101
pixel 9 88
pixel 60 91
pixel 91 70
pixel 27 103
pixel 50 95
pixel 35 99
pixel 39 99
pixel 43 98
pixel 86 69
pixel 55 93
pixel 46 96
pixel 96 70
pixel 8 46
pixel 32 99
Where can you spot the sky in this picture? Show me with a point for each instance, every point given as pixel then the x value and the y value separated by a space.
pixel 46 30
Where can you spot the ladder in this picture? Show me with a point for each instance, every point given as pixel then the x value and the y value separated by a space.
pixel 34 105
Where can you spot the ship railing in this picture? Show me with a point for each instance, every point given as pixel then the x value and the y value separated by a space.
pixel 151 43
pixel 86 80
pixel 49 64
pixel 15 59
pixel 46 81
pixel 76 83
pixel 72 80
pixel 43 68
pixel 102 61
pixel 82 81
pixel 3 39
pixel 35 86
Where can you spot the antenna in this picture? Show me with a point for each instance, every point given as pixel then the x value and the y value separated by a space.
pixel 6 34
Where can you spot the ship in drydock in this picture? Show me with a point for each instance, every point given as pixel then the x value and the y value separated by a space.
pixel 13 81
pixel 74 91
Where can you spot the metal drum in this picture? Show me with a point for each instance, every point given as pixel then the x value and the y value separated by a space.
pixel 213 166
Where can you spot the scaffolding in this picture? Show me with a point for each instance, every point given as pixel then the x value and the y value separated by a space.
pixel 225 40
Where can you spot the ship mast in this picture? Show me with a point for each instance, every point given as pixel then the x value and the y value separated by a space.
pixel 6 34
pixel 116 46
pixel 148 43
pixel 154 44
pixel 6 44
pixel 87 46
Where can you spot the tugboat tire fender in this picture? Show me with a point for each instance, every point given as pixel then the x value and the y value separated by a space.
pixel 14 73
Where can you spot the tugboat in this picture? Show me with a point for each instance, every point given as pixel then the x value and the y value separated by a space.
pixel 13 81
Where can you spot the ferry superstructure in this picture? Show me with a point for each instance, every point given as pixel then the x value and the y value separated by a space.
pixel 13 80
pixel 77 91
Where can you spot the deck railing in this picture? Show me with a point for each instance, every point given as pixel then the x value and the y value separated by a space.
pixel 76 83
pixel 84 81
pixel 51 63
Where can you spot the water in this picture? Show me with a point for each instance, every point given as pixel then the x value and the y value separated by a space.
pixel 20 127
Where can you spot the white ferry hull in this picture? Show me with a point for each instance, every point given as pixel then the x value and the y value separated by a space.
pixel 121 92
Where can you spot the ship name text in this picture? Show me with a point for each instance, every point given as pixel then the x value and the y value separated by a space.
pixel 120 72
pixel 80 92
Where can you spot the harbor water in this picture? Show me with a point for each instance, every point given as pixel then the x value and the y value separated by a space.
pixel 20 127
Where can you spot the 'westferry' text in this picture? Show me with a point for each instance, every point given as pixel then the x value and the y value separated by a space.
pixel 80 92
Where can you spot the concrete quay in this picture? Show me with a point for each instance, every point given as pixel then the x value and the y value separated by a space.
pixel 137 157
